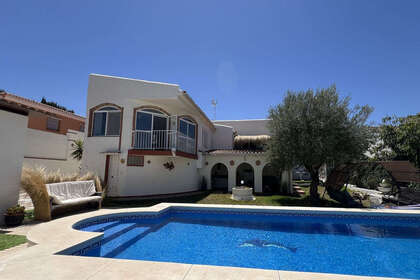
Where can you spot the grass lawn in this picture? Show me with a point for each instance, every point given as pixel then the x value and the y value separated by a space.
pixel 29 215
pixel 224 198
pixel 9 240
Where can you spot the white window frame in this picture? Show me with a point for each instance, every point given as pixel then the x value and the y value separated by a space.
pixel 183 119
pixel 106 121
pixel 58 126
pixel 153 114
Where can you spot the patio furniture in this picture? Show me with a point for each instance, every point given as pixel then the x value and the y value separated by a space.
pixel 68 194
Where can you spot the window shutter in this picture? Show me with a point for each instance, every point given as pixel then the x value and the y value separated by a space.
pixel 114 122
pixel 99 121
pixel 53 124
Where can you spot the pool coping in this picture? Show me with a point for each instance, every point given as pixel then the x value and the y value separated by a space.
pixel 59 235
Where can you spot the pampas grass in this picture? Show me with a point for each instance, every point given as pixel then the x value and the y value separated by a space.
pixel 33 181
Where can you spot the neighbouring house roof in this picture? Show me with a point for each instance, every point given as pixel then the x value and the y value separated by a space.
pixel 26 103
pixel 13 108
pixel 402 171
pixel 235 152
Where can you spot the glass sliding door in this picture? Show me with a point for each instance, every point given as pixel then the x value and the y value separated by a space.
pixel 151 130
pixel 187 136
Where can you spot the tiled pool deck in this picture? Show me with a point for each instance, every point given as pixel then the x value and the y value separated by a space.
pixel 41 262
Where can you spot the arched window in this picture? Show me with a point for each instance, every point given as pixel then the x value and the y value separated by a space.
pixel 187 127
pixel 106 121
pixel 187 133
pixel 151 119
pixel 151 129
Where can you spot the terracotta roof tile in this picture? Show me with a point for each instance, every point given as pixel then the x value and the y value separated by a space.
pixel 34 105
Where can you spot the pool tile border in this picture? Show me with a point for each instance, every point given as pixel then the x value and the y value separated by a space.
pixel 118 217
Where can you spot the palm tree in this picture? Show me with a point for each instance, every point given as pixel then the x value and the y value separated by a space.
pixel 77 146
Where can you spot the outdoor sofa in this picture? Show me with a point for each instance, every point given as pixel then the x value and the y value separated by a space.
pixel 67 195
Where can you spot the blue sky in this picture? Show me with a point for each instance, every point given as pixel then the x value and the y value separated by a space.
pixel 245 54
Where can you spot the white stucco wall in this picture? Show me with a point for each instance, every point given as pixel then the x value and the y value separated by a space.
pixel 51 150
pixel 222 138
pixel 153 178
pixel 212 160
pixel 150 179
pixel 247 127
pixel 12 139
pixel 103 88
pixel 45 144
pixel 131 93
pixel 94 153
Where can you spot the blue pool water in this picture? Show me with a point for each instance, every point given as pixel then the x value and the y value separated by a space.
pixel 370 246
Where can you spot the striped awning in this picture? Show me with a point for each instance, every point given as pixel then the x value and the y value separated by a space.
pixel 249 138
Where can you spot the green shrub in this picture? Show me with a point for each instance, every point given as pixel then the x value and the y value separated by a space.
pixel 15 210
pixel 414 187
pixel 368 175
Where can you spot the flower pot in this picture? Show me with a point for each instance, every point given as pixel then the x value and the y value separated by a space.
pixel 13 220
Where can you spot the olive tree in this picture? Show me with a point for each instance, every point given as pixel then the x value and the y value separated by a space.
pixel 310 128
pixel 402 136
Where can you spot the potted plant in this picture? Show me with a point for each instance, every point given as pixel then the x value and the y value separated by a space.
pixel 14 215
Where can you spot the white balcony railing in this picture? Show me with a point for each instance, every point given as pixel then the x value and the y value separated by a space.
pixel 163 140
pixel 185 144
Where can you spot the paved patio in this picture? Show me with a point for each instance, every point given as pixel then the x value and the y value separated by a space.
pixel 40 262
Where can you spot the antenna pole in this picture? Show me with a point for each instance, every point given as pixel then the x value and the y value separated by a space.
pixel 214 103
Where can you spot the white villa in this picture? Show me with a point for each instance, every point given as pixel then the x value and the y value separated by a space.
pixel 150 138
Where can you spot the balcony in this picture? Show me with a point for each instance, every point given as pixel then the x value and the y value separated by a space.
pixel 163 140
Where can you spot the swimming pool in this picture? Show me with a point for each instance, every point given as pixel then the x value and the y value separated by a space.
pixel 368 245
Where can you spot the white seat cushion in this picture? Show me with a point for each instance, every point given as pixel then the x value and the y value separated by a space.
pixel 75 201
pixel 61 192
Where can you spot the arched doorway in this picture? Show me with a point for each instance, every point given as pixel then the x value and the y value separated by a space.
pixel 219 177
pixel 245 173
pixel 271 179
